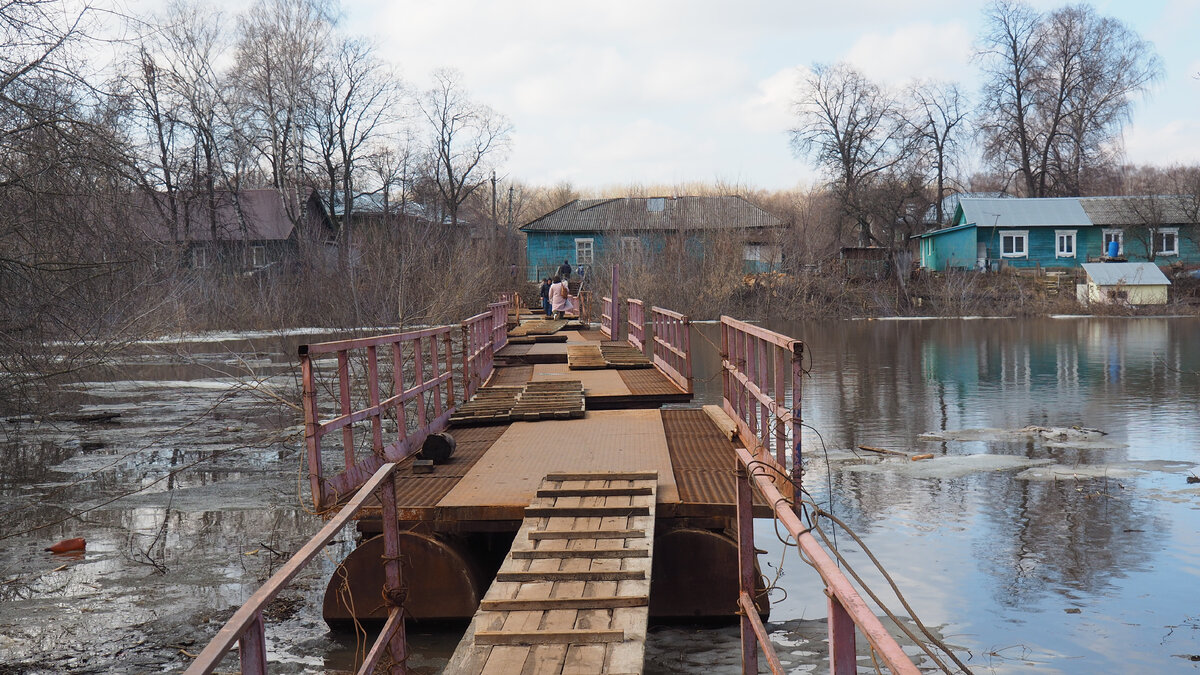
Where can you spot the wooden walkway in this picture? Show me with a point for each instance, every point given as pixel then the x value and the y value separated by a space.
pixel 572 596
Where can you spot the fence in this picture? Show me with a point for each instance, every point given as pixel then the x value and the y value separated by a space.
pixel 671 350
pixel 247 628
pixel 479 353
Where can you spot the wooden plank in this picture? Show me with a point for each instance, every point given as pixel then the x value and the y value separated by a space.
pixel 590 575
pixel 605 602
pixel 587 553
pixel 589 534
pixel 548 637
pixel 621 475
pixel 595 492
pixel 584 511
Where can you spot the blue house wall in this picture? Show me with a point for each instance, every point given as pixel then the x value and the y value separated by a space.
pixel 545 251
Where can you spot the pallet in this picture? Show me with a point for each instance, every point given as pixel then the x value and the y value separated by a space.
pixel 537 327
pixel 585 357
pixel 577 601
pixel 622 355
pixel 529 403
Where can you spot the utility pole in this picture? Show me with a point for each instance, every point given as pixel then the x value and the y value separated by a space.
pixel 494 219
pixel 510 198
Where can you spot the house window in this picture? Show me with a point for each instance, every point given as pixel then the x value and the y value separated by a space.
pixel 762 253
pixel 1014 243
pixel 631 248
pixel 1111 236
pixel 199 258
pixel 1064 243
pixel 584 251
pixel 1166 241
pixel 258 256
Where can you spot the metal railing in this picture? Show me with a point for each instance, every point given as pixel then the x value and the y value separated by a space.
pixel 479 353
pixel 499 312
pixel 671 350
pixel 759 368
pixel 636 323
pixel 247 628
pixel 422 357
pixel 606 316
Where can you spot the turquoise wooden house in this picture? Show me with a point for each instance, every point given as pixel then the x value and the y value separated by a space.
pixel 1061 232
pixel 632 230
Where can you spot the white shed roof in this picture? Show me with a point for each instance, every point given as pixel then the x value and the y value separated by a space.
pixel 1046 212
pixel 1126 274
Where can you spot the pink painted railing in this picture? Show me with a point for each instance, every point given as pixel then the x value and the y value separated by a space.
pixel 606 317
pixel 479 353
pixel 759 367
pixel 499 312
pixel 671 350
pixel 636 323
pixel 246 627
pixel 420 388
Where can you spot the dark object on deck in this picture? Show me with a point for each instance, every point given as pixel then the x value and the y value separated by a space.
pixel 438 447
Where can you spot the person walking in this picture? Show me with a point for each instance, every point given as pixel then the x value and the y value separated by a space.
pixel 564 270
pixel 559 301
pixel 546 297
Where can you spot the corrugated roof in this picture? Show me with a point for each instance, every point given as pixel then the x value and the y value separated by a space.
pixel 263 212
pixel 1043 212
pixel 1161 210
pixel 1126 274
pixel 635 213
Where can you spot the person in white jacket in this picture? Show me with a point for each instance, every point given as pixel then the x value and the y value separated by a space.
pixel 559 297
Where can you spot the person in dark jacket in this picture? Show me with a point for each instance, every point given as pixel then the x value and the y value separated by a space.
pixel 564 270
pixel 546 296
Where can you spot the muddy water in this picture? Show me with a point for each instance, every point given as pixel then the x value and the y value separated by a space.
pixel 1050 549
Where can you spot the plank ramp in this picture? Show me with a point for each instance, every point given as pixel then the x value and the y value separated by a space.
pixel 623 355
pixel 559 399
pixel 572 596
pixel 585 357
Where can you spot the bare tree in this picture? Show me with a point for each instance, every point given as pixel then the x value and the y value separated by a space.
pixel 1058 89
pixel 938 118
pixel 466 137
pixel 854 131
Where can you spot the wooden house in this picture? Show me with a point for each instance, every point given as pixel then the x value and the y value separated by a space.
pixel 1062 232
pixel 249 231
pixel 634 229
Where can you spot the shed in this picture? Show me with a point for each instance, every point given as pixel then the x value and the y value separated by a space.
pixel 1128 283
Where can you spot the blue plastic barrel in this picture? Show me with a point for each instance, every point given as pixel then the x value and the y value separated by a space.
pixel 1114 247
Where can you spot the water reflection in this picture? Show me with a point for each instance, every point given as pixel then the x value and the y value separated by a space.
pixel 1004 555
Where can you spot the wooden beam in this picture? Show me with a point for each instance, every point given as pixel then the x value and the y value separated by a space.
pixel 605 602
pixel 596 492
pixel 548 637
pixel 587 534
pixel 631 475
pixel 596 575
pixel 582 553
pixel 584 511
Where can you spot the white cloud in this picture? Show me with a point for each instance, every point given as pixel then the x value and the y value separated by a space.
pixel 1175 141
pixel 770 107
pixel 914 51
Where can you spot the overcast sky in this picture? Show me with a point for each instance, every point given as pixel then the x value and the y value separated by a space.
pixel 617 92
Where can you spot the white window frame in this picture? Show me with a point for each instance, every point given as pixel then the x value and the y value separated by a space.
pixel 1164 231
pixel 199 257
pixel 762 253
pixel 585 251
pixel 631 247
pixel 258 256
pixel 1109 235
pixel 1065 235
pixel 1023 235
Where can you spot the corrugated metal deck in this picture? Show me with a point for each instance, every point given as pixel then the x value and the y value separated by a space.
pixel 572 596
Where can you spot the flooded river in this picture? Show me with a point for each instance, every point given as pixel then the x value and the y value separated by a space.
pixel 1028 543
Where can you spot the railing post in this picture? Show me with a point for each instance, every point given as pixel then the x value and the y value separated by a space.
pixel 843 656
pixel 394 590
pixel 616 304
pixel 343 357
pixel 252 647
pixel 312 427
pixel 797 376
pixel 745 531
pixel 373 400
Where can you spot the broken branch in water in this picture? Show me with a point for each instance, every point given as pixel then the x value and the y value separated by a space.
pixel 883 451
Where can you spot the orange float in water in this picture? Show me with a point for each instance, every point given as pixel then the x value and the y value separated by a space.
pixel 74 544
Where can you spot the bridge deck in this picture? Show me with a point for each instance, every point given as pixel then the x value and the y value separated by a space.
pixel 572 596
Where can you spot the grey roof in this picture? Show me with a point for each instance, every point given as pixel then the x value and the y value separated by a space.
pixel 1043 212
pixel 1162 209
pixel 654 213
pixel 262 210
pixel 1126 274
pixel 950 204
